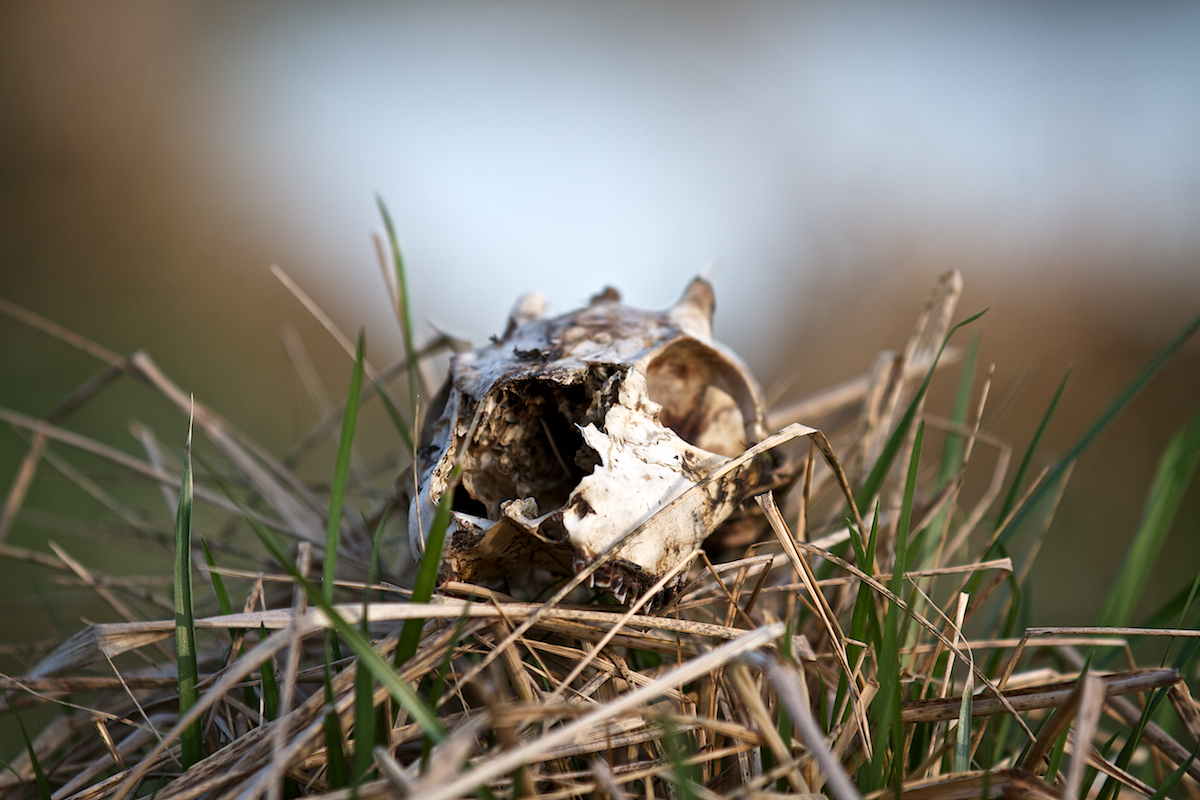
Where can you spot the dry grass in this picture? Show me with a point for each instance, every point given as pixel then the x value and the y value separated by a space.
pixel 812 651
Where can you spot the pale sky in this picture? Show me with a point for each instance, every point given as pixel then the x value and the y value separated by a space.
pixel 559 148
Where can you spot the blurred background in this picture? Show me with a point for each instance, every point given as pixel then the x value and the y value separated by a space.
pixel 822 162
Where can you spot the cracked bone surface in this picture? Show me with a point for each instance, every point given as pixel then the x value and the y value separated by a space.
pixel 574 430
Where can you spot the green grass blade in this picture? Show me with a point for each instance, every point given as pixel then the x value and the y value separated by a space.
pixel 1181 603
pixel 1015 609
pixel 903 529
pixel 784 726
pixel 39 774
pixel 403 311
pixel 952 450
pixel 1173 611
pixel 864 621
pixel 1089 775
pixel 896 620
pixel 1110 787
pixel 885 705
pixel 427 570
pixel 1173 779
pixel 439 677
pixel 962 740
pixel 359 644
pixel 223 602
pixel 783 720
pixel 402 427
pixel 1018 479
pixel 1001 740
pixel 379 668
pixel 185 618
pixel 875 479
pixel 1183 661
pixel 887 765
pixel 7 767
pixel 341 470
pixel 218 583
pixel 680 747
pixel 1187 604
pixel 953 446
pixel 373 566
pixel 1056 474
pixel 336 771
pixel 225 605
pixel 364 705
pixel 1176 470
pixel 1056 756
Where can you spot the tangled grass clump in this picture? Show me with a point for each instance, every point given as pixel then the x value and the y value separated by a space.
pixel 855 636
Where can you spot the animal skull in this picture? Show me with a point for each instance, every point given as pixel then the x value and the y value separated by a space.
pixel 574 430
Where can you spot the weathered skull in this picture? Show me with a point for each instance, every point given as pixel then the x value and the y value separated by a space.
pixel 573 430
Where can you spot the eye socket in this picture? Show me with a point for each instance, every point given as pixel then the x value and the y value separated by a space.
pixel 529 445
pixel 704 399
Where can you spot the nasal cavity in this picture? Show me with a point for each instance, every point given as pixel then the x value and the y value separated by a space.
pixel 528 446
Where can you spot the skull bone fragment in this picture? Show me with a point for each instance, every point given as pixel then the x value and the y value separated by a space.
pixel 589 435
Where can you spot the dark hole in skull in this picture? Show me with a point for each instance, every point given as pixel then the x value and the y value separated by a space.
pixel 703 400
pixel 528 446
pixel 468 505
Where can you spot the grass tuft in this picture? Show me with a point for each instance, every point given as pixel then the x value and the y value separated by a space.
pixel 824 655
pixel 191 740
pixel 1176 472
pixel 341 471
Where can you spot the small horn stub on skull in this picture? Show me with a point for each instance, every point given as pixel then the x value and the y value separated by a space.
pixel 694 311
pixel 529 308
pixel 609 295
